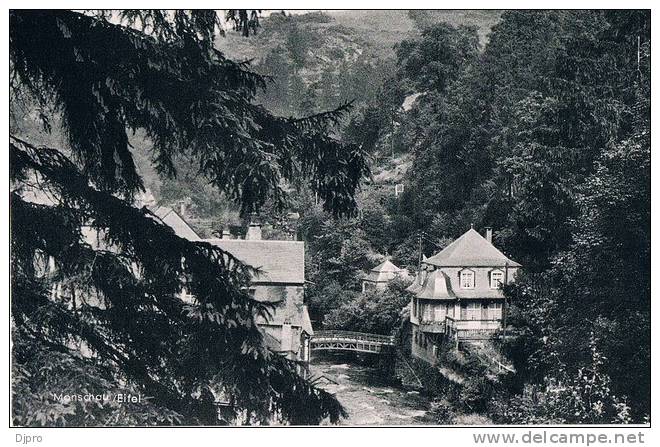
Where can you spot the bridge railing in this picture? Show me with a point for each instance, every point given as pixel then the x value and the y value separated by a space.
pixel 350 335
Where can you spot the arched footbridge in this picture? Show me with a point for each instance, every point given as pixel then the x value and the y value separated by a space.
pixel 350 341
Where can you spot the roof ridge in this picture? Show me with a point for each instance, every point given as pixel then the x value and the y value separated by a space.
pixel 214 239
pixel 378 268
pixel 470 249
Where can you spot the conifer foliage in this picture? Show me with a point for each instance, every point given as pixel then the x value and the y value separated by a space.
pixel 110 311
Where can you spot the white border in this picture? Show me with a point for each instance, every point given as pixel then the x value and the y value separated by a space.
pixel 322 436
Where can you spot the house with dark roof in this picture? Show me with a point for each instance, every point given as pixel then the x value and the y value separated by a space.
pixel 457 294
pixel 280 280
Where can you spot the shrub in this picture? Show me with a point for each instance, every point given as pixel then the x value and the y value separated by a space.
pixel 582 398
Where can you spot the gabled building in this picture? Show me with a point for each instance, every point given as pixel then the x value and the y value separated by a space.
pixel 380 275
pixel 176 221
pixel 281 281
pixel 458 294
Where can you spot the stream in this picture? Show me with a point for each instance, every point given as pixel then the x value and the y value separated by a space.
pixel 367 396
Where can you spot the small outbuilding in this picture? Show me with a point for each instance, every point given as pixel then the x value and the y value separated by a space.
pixel 380 275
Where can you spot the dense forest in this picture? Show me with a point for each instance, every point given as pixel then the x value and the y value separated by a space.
pixel 538 128
pixel 534 123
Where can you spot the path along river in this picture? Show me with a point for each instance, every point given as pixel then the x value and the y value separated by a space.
pixel 368 397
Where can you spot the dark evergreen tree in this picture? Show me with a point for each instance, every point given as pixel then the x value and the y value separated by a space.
pixel 119 321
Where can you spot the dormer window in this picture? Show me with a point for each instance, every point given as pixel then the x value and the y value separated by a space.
pixel 496 279
pixel 467 279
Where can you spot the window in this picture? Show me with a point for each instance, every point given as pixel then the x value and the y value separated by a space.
pixel 427 316
pixel 467 279
pixel 440 312
pixel 495 311
pixel 496 279
pixel 473 311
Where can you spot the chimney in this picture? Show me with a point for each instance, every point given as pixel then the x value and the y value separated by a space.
pixel 489 234
pixel 182 207
pixel 287 337
pixel 254 229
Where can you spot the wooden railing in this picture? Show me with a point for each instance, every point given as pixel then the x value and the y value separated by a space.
pixel 473 329
pixel 438 327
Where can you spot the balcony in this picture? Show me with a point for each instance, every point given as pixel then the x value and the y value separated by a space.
pixel 433 327
pixel 473 329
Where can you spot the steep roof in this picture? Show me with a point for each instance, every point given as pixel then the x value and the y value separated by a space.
pixel 471 250
pixel 386 266
pixel 172 219
pixel 383 272
pixel 96 236
pixel 436 287
pixel 419 280
pixel 279 261
pixel 306 322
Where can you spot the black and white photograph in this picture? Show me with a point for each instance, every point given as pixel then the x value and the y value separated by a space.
pixel 330 217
